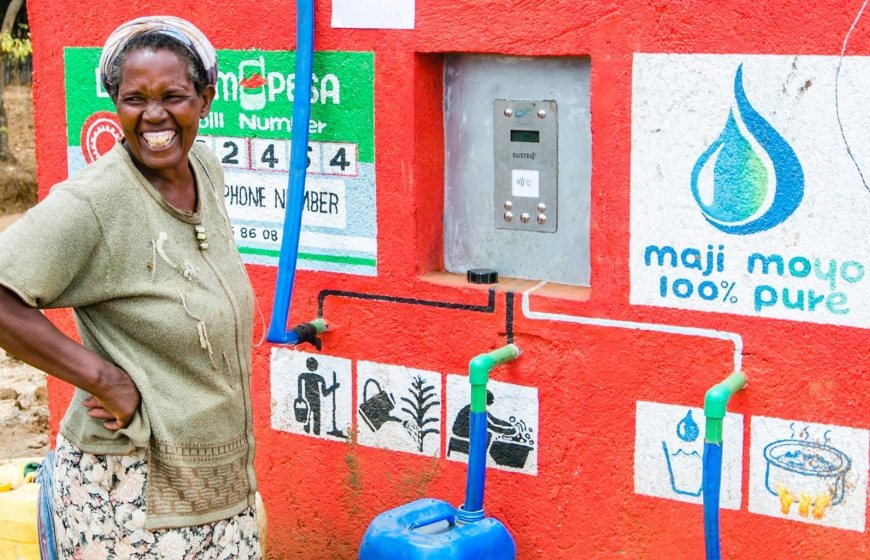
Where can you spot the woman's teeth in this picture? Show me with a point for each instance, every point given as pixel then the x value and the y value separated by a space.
pixel 157 140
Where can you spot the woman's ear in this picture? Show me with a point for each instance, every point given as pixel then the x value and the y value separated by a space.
pixel 207 97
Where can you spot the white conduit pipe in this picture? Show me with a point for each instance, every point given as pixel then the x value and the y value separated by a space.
pixel 734 338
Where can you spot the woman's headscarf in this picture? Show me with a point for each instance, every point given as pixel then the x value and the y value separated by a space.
pixel 175 27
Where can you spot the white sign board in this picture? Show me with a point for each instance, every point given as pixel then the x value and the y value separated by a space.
pixel 746 196
pixel 373 14
pixel 311 394
pixel 812 473
pixel 399 408
pixel 669 452
pixel 512 424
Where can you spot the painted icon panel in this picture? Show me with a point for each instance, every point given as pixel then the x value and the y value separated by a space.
pixel 812 473
pixel 512 424
pixel 399 408
pixel 311 394
pixel 669 451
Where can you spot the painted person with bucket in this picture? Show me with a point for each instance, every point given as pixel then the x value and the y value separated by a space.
pixel 310 387
pixel 139 245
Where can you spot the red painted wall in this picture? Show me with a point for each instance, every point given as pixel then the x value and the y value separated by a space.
pixel 321 495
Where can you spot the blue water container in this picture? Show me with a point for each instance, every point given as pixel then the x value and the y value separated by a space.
pixel 432 530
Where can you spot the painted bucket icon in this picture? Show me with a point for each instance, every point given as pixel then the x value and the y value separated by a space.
pixel 376 410
pixel 300 410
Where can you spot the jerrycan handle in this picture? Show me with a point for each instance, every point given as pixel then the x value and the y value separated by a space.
pixel 428 515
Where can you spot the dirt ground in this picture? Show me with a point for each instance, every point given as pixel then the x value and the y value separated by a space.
pixel 18 180
pixel 23 410
pixel 23 402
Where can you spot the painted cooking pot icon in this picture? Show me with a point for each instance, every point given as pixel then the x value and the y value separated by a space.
pixel 806 467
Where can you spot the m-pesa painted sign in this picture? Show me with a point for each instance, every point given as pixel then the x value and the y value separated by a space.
pixel 750 186
pixel 250 129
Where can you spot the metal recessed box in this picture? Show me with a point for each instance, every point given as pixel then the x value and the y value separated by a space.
pixel 517 136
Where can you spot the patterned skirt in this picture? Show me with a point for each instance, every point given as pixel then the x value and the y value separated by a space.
pixel 99 514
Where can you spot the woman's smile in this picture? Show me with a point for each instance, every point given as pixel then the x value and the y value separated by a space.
pixel 158 141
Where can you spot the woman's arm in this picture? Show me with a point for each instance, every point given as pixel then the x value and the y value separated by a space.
pixel 26 334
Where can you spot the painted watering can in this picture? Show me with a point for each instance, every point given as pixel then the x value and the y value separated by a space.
pixel 376 410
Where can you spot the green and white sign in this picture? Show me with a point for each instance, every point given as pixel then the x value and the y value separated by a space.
pixel 250 129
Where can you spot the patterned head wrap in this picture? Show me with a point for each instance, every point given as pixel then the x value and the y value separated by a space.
pixel 182 30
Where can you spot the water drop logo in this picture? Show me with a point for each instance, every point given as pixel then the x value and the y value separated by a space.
pixel 740 202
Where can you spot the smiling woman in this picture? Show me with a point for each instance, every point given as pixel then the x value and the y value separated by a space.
pixel 161 91
pixel 159 110
pixel 140 246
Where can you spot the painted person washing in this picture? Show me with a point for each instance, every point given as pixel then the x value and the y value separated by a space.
pixel 154 456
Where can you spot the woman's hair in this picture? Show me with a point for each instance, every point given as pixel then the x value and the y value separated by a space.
pixel 154 42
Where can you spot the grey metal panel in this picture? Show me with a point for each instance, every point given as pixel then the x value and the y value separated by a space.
pixel 472 84
pixel 525 195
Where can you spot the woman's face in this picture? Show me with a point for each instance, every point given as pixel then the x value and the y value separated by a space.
pixel 159 109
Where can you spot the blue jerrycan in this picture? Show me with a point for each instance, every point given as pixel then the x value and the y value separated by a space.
pixel 433 529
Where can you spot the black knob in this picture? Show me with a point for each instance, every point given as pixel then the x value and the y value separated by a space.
pixel 482 276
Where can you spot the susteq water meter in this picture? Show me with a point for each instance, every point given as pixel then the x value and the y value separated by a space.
pixel 525 195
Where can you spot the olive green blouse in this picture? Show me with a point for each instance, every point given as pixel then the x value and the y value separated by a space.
pixel 170 308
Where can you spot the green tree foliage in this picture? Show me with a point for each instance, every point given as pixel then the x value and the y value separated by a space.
pixel 17 46
pixel 13 46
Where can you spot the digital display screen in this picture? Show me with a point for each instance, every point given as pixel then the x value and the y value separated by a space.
pixel 525 136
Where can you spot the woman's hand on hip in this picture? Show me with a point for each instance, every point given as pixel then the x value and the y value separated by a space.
pixel 29 336
pixel 117 400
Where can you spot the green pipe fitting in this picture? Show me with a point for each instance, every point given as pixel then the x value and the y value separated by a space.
pixel 319 325
pixel 716 402
pixel 478 372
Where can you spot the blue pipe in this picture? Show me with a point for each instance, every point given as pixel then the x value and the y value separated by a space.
pixel 278 332
pixel 715 408
pixel 478 375
pixel 476 463
pixel 711 484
